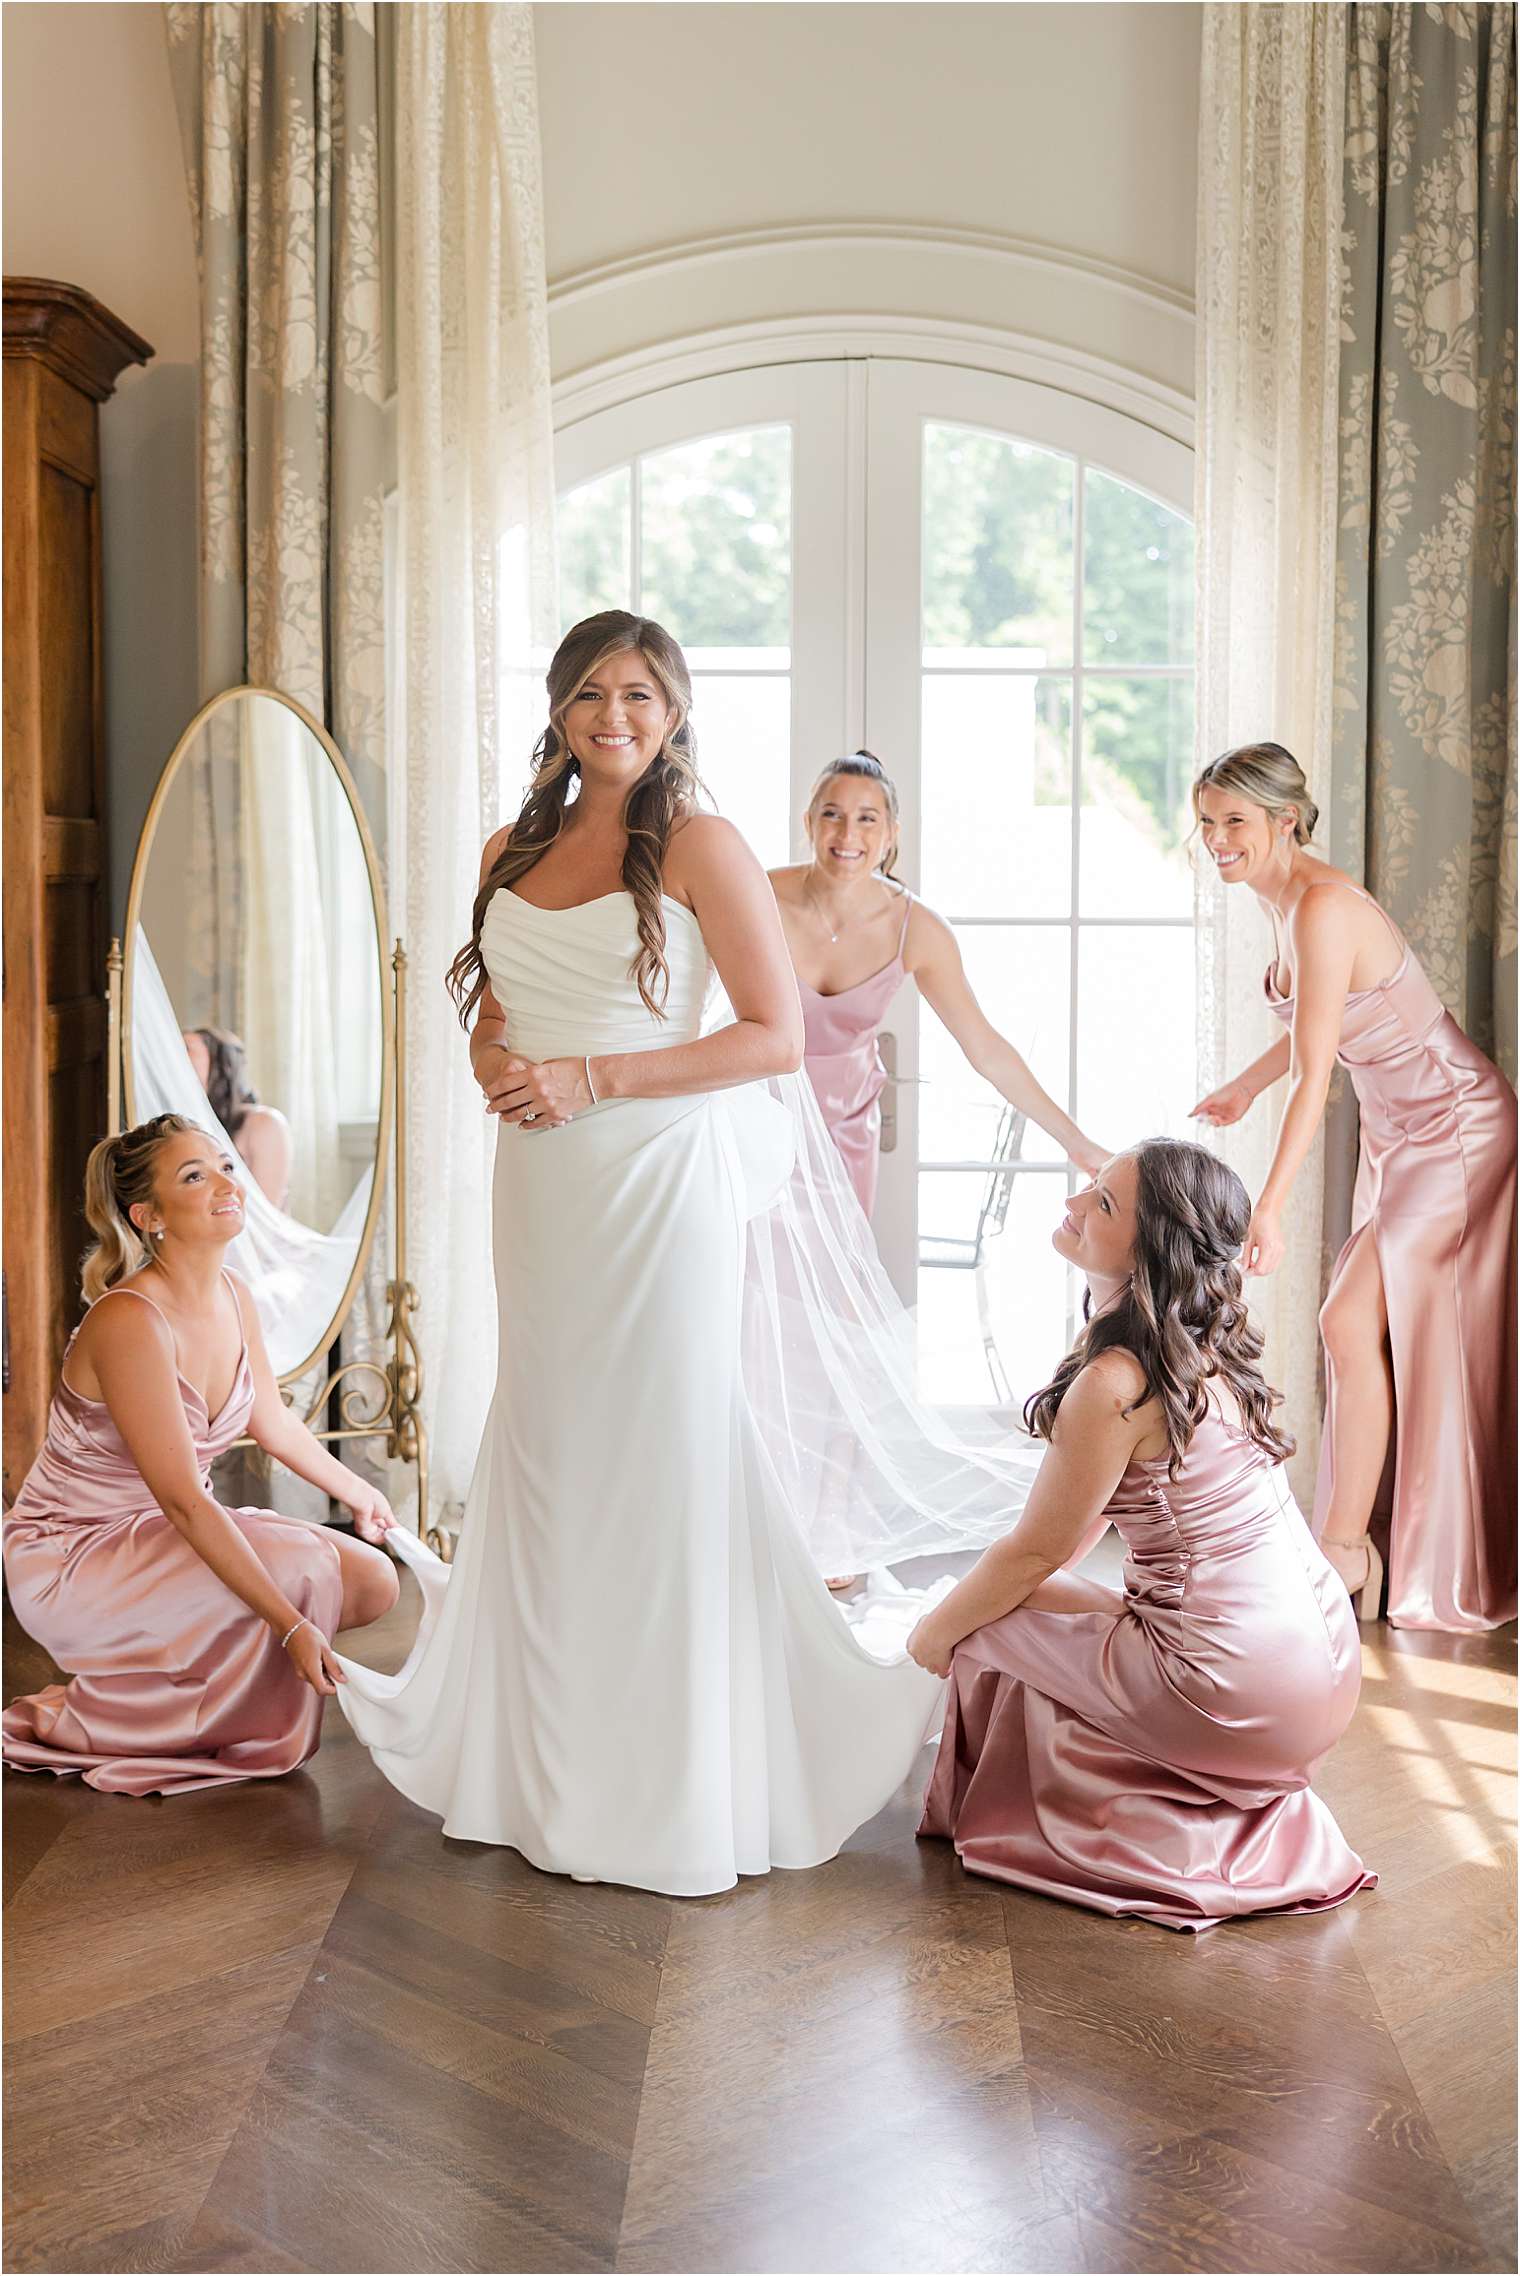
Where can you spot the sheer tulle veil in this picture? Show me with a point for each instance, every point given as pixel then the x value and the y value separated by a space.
pixel 296 1275
pixel 873 1475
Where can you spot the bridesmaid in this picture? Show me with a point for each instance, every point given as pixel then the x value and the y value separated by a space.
pixel 1150 1753
pixel 200 1637
pixel 855 935
pixel 1419 1322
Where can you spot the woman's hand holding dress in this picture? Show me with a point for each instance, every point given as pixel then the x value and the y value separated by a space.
pixel 372 1514
pixel 314 1660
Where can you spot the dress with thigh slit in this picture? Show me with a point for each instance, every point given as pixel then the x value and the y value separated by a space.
pixel 174 1682
pixel 1154 1759
pixel 1435 1191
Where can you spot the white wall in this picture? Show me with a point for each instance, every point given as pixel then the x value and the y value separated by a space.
pixel 95 196
pixel 1018 131
pixel 1025 167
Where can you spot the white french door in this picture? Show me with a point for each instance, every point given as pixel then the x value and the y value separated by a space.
pixel 989 584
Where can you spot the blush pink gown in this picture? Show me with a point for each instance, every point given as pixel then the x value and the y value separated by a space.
pixel 843 1062
pixel 1155 1759
pixel 175 1683
pixel 1435 1191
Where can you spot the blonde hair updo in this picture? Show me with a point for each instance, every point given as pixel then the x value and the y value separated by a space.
pixel 118 1177
pixel 1266 775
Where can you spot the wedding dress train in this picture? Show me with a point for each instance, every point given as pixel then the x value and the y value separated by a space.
pixel 634 1672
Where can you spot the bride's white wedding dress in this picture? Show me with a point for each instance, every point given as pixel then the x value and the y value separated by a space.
pixel 635 1672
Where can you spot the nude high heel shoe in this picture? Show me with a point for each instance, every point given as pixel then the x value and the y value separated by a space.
pixel 1367 1596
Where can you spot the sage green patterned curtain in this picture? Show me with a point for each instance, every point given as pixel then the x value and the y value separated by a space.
pixel 280 120
pixel 1423 793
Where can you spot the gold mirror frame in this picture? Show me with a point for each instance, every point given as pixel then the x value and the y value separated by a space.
pixel 374 1401
pixel 135 892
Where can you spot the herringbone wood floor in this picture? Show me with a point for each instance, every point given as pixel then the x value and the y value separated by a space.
pixel 289 2027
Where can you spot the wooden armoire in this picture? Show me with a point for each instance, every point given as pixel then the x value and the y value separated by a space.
pixel 63 355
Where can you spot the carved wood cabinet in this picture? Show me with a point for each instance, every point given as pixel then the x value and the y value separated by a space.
pixel 63 355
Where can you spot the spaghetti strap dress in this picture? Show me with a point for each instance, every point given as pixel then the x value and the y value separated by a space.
pixel 1155 1759
pixel 842 1058
pixel 174 1683
pixel 1435 1191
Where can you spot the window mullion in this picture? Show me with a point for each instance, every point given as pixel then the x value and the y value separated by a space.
pixel 636 535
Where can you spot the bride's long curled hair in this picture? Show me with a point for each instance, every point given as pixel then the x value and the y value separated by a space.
pixel 1183 1315
pixel 666 792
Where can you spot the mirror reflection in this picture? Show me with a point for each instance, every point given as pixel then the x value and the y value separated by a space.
pixel 255 998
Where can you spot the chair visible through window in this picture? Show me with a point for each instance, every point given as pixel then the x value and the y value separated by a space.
pixel 967 1252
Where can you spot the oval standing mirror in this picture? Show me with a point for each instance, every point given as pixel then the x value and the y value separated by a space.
pixel 255 1001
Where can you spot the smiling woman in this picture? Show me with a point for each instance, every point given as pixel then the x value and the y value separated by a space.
pixel 1150 1753
pixel 855 935
pixel 199 1637
pixel 1419 1321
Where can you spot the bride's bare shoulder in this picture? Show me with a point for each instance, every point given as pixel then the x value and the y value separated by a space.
pixel 706 847
pixel 496 846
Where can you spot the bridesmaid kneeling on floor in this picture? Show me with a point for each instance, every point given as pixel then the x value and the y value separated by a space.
pixel 1150 1752
pixel 199 1637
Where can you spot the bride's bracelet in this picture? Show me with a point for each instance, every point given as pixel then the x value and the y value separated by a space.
pixel 590 1085
pixel 303 1622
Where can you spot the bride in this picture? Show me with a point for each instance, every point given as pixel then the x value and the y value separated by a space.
pixel 636 1673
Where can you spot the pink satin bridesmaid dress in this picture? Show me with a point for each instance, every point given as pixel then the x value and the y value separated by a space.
pixel 1155 1760
pixel 843 1061
pixel 1435 1190
pixel 175 1683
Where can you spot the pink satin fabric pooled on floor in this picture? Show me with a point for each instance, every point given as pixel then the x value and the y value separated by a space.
pixel 1155 1760
pixel 843 1062
pixel 175 1683
pixel 1435 1190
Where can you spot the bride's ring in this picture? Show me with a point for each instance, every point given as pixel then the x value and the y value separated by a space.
pixel 530 1116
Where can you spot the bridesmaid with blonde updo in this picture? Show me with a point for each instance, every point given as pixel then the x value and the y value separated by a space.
pixel 199 1638
pixel 1419 1322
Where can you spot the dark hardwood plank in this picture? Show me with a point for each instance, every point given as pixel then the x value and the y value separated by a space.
pixel 1236 2099
pixel 471 2049
pixel 119 2123
pixel 299 2030
pixel 834 2075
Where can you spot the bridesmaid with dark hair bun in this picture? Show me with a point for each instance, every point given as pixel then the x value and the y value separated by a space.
pixel 1419 1321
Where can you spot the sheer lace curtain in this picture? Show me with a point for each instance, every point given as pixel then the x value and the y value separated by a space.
pixel 475 601
pixel 290 1029
pixel 1269 268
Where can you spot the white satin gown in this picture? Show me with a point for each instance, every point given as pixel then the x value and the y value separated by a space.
pixel 635 1672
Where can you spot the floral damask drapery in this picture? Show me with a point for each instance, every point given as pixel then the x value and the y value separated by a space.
pixel 1423 763
pixel 475 611
pixel 1268 296
pixel 1355 476
pixel 280 124
pixel 279 116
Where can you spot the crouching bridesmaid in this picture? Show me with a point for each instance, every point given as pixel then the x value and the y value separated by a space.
pixel 199 1638
pixel 1150 1752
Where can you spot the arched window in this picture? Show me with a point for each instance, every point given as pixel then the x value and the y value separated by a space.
pixel 990 584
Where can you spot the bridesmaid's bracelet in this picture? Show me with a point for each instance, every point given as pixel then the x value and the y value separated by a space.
pixel 303 1622
pixel 590 1085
